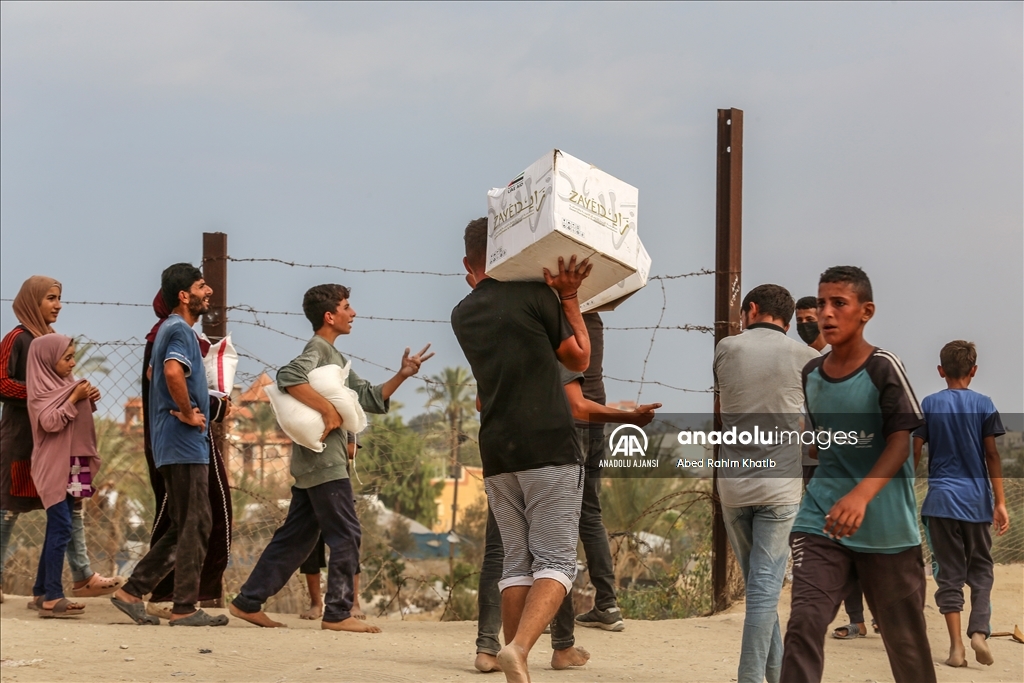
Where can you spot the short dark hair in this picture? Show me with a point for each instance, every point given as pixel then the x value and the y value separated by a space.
pixel 853 276
pixel 476 242
pixel 957 358
pixel 322 299
pixel 772 300
pixel 806 302
pixel 176 279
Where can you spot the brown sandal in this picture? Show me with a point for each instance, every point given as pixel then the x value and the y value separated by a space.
pixel 63 609
pixel 35 603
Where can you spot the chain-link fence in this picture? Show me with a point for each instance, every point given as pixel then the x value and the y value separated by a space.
pixel 660 529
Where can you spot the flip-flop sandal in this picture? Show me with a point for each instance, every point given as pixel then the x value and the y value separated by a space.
pixel 99 586
pixel 852 632
pixel 35 603
pixel 200 618
pixel 136 611
pixel 62 610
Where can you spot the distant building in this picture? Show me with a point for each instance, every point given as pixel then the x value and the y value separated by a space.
pixel 470 491
pixel 254 448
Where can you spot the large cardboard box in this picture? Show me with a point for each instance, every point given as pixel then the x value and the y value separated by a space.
pixel 561 206
pixel 611 298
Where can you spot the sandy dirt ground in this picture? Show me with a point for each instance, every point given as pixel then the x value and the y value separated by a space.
pixel 102 646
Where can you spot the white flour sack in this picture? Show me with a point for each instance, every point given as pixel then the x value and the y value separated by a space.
pixel 220 362
pixel 305 426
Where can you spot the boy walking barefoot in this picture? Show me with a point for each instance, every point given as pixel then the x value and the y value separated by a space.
pixel 961 430
pixel 859 397
pixel 317 560
pixel 322 500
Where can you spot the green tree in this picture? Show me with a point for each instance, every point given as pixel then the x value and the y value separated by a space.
pixel 391 459
pixel 451 393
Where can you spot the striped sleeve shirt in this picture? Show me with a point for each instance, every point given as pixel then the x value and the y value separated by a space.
pixel 13 364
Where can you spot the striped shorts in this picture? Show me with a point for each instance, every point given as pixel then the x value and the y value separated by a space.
pixel 538 515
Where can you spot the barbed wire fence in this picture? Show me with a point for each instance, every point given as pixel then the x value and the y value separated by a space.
pixel 660 530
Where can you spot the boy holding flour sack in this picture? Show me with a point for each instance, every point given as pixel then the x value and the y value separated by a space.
pixel 322 498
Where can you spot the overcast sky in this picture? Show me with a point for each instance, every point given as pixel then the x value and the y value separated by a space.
pixel 885 135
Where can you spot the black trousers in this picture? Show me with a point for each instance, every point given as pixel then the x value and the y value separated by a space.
pixel 183 546
pixel 962 553
pixel 894 586
pixel 328 508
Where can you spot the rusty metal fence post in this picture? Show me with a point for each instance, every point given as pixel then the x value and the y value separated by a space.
pixel 728 242
pixel 215 321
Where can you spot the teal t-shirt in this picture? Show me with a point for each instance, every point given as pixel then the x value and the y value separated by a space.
pixel 870 404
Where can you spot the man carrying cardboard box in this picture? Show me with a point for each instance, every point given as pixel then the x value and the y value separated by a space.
pixel 514 335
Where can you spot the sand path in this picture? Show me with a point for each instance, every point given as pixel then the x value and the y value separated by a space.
pixel 89 648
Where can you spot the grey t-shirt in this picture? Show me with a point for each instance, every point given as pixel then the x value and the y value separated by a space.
pixel 309 467
pixel 758 382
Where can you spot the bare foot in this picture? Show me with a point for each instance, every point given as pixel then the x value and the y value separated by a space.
pixel 352 625
pixel 358 613
pixel 124 596
pixel 512 661
pixel 570 656
pixel 314 612
pixel 957 656
pixel 257 618
pixel 486 663
pixel 981 652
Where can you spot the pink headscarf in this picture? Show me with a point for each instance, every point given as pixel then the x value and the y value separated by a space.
pixel 59 429
pixel 26 304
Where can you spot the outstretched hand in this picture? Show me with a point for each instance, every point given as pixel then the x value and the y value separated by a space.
pixel 569 277
pixel 411 364
pixel 645 414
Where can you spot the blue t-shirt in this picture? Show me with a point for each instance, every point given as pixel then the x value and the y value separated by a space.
pixel 174 442
pixel 956 424
pixel 866 406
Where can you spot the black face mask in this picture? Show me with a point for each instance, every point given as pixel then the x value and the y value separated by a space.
pixel 808 331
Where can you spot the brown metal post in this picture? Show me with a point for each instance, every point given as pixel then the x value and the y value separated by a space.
pixel 215 324
pixel 728 232
pixel 215 272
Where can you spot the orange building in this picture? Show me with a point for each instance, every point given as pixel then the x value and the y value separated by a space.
pixel 470 492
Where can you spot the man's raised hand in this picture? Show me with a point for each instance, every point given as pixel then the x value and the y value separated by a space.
pixel 411 364
pixel 569 277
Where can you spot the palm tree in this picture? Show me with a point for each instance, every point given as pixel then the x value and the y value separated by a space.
pixel 87 363
pixel 452 390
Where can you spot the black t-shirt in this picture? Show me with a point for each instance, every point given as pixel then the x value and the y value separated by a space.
pixel 509 332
